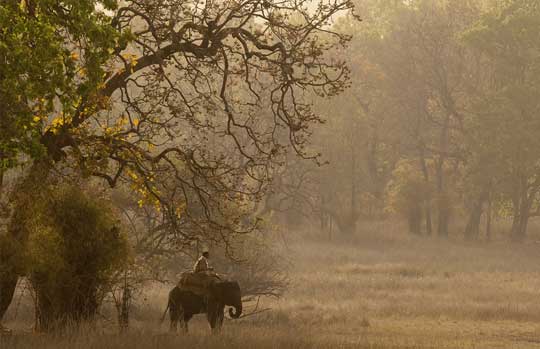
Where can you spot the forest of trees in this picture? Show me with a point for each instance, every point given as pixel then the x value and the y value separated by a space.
pixel 159 126
pixel 440 124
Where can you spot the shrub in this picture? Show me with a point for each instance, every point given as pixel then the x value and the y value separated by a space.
pixel 74 248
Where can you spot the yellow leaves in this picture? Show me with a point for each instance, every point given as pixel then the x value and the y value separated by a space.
pixel 103 102
pixel 147 192
pixel 180 209
pixel 74 56
pixel 131 58
pixel 58 122
pixel 35 121
pixel 122 121
pixel 115 129
pixel 132 175
pixel 77 102
pixel 136 122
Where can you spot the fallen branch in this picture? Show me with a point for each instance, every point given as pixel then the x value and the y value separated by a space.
pixel 253 313
pixel 255 310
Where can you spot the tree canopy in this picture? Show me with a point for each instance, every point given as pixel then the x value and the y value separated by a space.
pixel 168 96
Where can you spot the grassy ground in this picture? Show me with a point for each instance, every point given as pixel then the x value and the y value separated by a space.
pixel 389 291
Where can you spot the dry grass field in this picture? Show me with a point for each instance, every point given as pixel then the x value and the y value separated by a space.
pixel 392 291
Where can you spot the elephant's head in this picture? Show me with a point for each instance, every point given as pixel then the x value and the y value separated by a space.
pixel 228 292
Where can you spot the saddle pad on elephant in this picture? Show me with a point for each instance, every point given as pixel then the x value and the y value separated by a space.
pixel 197 283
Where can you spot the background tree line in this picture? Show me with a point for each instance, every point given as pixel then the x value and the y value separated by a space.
pixel 440 125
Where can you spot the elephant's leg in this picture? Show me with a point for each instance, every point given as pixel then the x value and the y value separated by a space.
pixel 174 319
pixel 211 317
pixel 173 326
pixel 182 320
pixel 187 317
pixel 214 320
pixel 219 321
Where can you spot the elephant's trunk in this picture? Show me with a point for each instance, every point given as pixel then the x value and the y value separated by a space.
pixel 236 314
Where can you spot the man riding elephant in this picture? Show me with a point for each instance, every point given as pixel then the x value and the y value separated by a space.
pixel 202 266
pixel 199 280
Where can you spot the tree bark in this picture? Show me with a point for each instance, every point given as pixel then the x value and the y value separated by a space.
pixel 346 222
pixel 472 230
pixel 442 200
pixel 488 219
pixel 520 221
pixel 523 201
pixel 427 203
pixel 443 216
pixel 415 220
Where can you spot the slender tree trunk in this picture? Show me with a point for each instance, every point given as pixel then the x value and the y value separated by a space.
pixel 427 201
pixel 429 224
pixel 521 221
pixel 522 209
pixel 442 199
pixel 472 230
pixel 354 202
pixel 330 227
pixel 488 219
pixel 415 220
pixel 443 216
pixel 124 306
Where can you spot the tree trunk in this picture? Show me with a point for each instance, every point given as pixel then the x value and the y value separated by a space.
pixel 472 230
pixel 427 203
pixel 8 283
pixel 443 217
pixel 522 209
pixel 488 219
pixel 415 220
pixel 520 221
pixel 346 222
pixel 429 224
pixel 123 311
pixel 442 199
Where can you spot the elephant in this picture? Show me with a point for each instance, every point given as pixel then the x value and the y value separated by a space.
pixel 183 304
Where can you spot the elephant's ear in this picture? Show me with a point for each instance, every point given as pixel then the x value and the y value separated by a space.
pixel 216 291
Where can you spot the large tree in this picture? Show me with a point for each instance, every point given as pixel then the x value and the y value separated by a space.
pixel 190 103
pixel 506 121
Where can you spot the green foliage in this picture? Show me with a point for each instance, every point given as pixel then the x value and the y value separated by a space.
pixel 51 53
pixel 74 248
pixel 504 129
pixel 407 188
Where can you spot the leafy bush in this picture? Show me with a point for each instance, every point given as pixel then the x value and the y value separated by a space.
pixel 74 248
